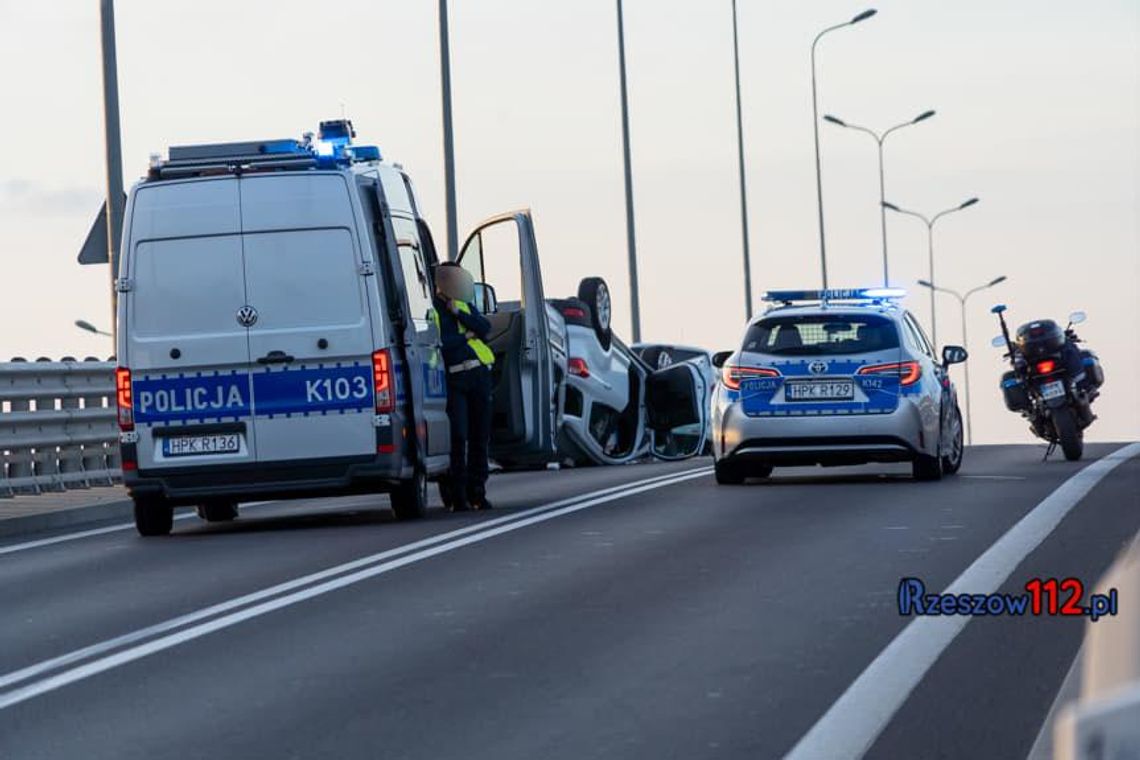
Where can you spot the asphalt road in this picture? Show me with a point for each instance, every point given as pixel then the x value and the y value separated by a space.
pixel 675 619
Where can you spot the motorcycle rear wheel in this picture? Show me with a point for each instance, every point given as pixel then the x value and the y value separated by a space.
pixel 1069 433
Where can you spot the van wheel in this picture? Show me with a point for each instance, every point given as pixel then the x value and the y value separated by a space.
pixel 153 516
pixel 409 498
pixel 596 294
pixel 218 511
pixel 727 473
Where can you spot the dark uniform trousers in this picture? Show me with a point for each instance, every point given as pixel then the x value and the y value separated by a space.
pixel 469 407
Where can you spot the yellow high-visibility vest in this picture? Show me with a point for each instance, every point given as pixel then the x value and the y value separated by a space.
pixel 481 349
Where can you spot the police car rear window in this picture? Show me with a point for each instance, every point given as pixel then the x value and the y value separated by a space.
pixel 821 335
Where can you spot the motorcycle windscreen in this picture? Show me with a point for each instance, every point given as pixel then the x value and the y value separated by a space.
pixel 822 364
pixel 676 411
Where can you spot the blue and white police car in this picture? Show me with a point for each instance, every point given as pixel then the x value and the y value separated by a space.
pixel 835 377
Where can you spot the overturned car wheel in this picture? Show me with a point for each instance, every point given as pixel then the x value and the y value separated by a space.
pixel 594 292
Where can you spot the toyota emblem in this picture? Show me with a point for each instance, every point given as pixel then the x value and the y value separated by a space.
pixel 247 316
pixel 818 368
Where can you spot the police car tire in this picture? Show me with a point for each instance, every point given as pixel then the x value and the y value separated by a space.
pixel 592 290
pixel 926 467
pixel 951 463
pixel 409 498
pixel 153 517
pixel 727 473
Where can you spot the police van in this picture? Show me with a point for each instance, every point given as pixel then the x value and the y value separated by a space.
pixel 277 339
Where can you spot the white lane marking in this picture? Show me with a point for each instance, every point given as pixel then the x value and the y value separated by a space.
pixel 851 725
pixel 102 647
pixel 994 477
pixel 12 549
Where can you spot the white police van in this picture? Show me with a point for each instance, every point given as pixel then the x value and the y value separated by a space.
pixel 275 334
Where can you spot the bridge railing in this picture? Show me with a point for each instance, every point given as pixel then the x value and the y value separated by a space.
pixel 57 426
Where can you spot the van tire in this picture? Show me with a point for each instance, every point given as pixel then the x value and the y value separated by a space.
pixel 218 511
pixel 153 516
pixel 596 294
pixel 409 499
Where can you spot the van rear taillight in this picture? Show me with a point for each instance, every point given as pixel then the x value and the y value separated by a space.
pixel 382 380
pixel 123 399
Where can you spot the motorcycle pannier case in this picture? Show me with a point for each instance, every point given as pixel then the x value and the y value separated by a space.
pixel 1094 373
pixel 1014 393
pixel 1038 340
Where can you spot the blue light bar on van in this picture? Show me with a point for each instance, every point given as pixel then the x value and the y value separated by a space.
pixel 834 294
pixel 365 153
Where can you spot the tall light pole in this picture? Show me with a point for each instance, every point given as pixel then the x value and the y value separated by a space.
pixel 815 127
pixel 880 138
pixel 930 242
pixel 86 326
pixel 113 146
pixel 962 298
pixel 740 158
pixel 448 135
pixel 631 242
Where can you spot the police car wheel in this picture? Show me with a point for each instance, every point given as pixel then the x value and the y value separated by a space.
pixel 926 467
pixel 153 517
pixel 409 498
pixel 727 473
pixel 952 457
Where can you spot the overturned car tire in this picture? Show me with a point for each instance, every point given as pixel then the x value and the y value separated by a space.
pixel 594 292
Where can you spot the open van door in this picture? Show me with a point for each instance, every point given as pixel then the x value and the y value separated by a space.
pixel 502 253
pixel 676 410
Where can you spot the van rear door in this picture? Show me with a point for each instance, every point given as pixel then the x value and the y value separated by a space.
pixel 311 344
pixel 186 348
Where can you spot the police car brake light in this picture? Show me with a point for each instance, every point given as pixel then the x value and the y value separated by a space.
pixel 382 380
pixel 123 399
pixel 908 372
pixel 732 376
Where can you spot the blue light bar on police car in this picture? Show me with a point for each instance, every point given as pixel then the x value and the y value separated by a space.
pixel 835 294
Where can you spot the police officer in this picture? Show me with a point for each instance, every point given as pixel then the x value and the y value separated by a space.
pixel 462 330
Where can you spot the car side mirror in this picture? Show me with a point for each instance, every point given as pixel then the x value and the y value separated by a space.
pixel 998 309
pixel 485 299
pixel 720 357
pixel 953 355
pixel 998 341
pixel 1077 317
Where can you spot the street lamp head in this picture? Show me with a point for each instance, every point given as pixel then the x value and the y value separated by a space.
pixel 996 280
pixel 923 116
pixel 83 324
pixel 970 202
pixel 891 206
pixel 864 16
pixel 834 120
pixel 926 283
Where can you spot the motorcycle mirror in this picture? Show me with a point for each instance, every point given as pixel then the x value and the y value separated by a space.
pixel 998 309
pixel 1077 317
pixel 998 342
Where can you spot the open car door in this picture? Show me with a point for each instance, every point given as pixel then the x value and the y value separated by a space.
pixel 676 409
pixel 501 253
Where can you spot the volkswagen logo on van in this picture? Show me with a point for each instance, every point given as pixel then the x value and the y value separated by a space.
pixel 818 368
pixel 247 316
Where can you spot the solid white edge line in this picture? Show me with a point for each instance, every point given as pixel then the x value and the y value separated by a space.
pixel 102 647
pixel 853 723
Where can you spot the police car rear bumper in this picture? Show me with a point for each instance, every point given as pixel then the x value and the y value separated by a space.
pixel 277 480
pixel 897 436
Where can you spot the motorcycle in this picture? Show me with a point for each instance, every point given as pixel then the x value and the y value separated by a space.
pixel 1053 381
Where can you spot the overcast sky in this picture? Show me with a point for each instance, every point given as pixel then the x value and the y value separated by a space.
pixel 1038 114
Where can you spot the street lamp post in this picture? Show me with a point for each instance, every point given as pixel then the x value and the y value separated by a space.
pixel 962 298
pixel 86 326
pixel 929 222
pixel 880 138
pixel 815 127
pixel 631 243
pixel 448 134
pixel 740 158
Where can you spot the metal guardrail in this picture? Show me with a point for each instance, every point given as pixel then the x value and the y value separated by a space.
pixel 57 426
